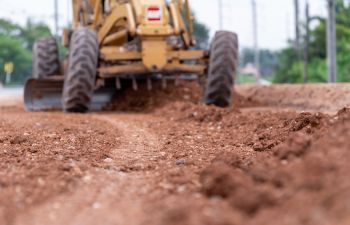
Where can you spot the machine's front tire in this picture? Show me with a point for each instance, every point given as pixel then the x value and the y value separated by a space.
pixel 45 58
pixel 222 69
pixel 81 72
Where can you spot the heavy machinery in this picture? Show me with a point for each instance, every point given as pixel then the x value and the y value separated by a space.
pixel 114 40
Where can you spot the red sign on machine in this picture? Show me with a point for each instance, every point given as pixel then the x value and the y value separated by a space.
pixel 154 13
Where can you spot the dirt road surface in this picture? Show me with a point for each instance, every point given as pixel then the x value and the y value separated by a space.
pixel 279 156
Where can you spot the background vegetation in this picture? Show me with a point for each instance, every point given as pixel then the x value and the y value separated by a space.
pixel 16 44
pixel 287 67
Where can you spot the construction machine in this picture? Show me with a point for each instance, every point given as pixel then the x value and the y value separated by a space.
pixel 115 40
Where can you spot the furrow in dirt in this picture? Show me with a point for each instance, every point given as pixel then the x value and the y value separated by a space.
pixel 114 192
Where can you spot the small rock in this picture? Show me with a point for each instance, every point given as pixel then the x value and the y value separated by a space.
pixel 108 160
pixel 41 181
pixel 284 162
pixel 77 170
pixel 87 178
pixel 71 148
pixel 96 205
pixel 181 189
pixel 180 162
pixel 166 185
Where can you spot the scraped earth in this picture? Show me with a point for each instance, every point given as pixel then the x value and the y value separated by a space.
pixel 162 158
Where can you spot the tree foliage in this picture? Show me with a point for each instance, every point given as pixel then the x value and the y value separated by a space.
pixel 16 44
pixel 290 68
pixel 201 31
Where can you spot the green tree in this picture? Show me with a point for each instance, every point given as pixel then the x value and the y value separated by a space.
pixel 201 31
pixel 32 32
pixel 11 50
pixel 16 44
pixel 287 71
pixel 9 29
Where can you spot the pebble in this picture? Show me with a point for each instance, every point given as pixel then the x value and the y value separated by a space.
pixel 108 160
pixel 96 205
pixel 284 162
pixel 41 181
pixel 87 179
pixel 181 162
pixel 181 189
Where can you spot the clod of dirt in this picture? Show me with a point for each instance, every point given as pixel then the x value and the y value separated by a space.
pixel 344 114
pixel 295 146
pixel 232 159
pixel 18 140
pixel 307 121
pixel 206 114
pixel 223 181
pixel 250 201
pixel 180 212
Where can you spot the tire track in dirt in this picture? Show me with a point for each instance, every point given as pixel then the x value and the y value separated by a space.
pixel 111 195
pixel 139 144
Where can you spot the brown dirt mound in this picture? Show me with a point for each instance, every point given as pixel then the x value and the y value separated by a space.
pixel 281 183
pixel 317 97
pixel 144 100
pixel 147 100
pixel 279 187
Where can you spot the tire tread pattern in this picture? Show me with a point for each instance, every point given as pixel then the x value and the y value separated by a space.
pixel 81 73
pixel 45 58
pixel 222 69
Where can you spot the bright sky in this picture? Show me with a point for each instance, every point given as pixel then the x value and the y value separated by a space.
pixel 276 22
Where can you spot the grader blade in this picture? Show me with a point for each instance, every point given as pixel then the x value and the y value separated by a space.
pixel 46 95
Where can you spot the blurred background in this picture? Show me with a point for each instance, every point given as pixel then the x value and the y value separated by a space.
pixel 281 41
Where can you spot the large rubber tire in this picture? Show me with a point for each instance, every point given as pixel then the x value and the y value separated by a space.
pixel 81 72
pixel 45 58
pixel 222 69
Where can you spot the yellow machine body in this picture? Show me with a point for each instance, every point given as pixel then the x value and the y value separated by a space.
pixel 141 36
pixel 135 40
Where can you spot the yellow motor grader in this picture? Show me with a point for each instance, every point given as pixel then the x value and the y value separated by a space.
pixel 114 40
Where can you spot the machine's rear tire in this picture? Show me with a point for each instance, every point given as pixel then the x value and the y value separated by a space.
pixel 222 69
pixel 81 72
pixel 45 58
